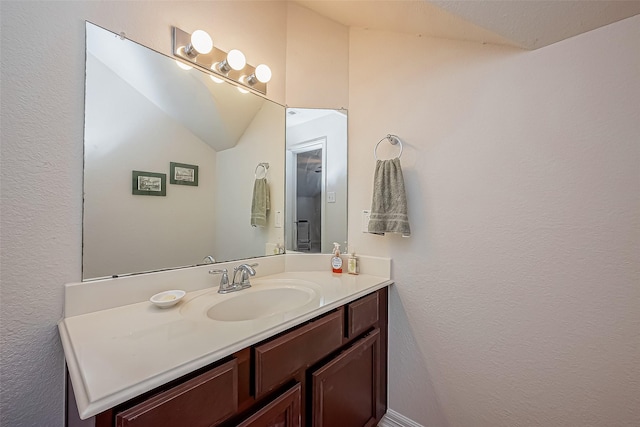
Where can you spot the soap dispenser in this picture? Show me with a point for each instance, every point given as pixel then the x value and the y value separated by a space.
pixel 352 263
pixel 336 260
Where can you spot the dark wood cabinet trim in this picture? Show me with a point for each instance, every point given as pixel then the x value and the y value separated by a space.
pixel 287 406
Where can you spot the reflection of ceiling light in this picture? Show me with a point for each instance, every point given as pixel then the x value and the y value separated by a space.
pixel 215 79
pixel 200 43
pixel 183 65
pixel 242 90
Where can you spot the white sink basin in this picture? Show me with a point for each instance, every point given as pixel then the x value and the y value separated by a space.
pixel 265 298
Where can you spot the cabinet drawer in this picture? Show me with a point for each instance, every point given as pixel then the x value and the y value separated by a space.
pixel 278 360
pixel 202 401
pixel 362 314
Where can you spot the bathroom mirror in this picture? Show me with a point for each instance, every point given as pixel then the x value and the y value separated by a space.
pixel 171 158
pixel 316 185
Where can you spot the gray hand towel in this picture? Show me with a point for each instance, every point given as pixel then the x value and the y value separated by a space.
pixel 389 205
pixel 260 203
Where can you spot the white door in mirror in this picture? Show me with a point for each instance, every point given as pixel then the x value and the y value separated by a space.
pixel 167 298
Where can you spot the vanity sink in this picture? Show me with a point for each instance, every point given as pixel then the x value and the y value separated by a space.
pixel 265 298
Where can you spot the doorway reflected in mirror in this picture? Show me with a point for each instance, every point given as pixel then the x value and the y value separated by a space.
pixel 316 181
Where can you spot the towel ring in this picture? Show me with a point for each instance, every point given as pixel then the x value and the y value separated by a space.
pixel 264 167
pixel 393 140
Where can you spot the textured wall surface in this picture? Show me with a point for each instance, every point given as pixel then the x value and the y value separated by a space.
pixel 41 158
pixel 516 300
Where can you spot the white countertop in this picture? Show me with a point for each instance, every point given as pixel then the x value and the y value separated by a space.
pixel 118 353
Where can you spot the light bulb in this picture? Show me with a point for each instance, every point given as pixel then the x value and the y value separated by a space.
pixel 183 65
pixel 263 73
pixel 201 42
pixel 236 59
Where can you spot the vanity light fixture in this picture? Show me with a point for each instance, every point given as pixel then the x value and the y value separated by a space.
pixel 262 74
pixel 235 60
pixel 198 49
pixel 200 43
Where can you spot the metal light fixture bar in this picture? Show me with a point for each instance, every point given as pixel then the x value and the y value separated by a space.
pixel 181 39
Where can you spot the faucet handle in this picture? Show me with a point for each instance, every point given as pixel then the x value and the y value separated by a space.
pixel 224 280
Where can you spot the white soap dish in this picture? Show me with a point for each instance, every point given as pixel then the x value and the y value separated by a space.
pixel 167 298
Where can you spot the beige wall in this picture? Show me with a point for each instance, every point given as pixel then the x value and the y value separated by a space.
pixel 517 297
pixel 317 60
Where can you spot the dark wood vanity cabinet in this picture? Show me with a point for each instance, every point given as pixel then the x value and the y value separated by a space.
pixel 330 371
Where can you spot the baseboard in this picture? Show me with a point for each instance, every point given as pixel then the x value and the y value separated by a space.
pixel 394 419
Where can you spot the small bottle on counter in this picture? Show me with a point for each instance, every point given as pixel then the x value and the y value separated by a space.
pixel 352 264
pixel 336 260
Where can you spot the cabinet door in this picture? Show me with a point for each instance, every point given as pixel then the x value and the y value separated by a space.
pixel 284 411
pixel 202 401
pixel 346 390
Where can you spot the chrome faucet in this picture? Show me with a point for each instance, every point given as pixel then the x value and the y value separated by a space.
pixel 245 271
pixel 238 283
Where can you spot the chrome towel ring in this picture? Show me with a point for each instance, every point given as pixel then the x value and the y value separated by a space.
pixel 264 166
pixel 393 140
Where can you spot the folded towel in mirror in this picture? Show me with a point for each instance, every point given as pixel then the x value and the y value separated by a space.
pixel 389 204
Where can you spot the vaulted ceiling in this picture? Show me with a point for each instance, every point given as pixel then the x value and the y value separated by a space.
pixel 527 24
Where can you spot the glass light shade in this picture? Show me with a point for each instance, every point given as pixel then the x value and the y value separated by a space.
pixel 183 65
pixel 236 59
pixel 263 73
pixel 201 42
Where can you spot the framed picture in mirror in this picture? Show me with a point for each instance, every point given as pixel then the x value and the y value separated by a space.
pixel 149 183
pixel 183 174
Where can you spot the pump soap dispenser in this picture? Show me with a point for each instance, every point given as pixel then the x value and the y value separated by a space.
pixel 336 261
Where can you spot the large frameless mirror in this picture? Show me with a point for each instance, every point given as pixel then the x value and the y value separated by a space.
pixel 171 158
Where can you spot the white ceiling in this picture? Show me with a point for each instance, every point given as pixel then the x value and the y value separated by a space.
pixel 528 24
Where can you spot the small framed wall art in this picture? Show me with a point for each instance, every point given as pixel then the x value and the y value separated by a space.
pixel 183 174
pixel 149 183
